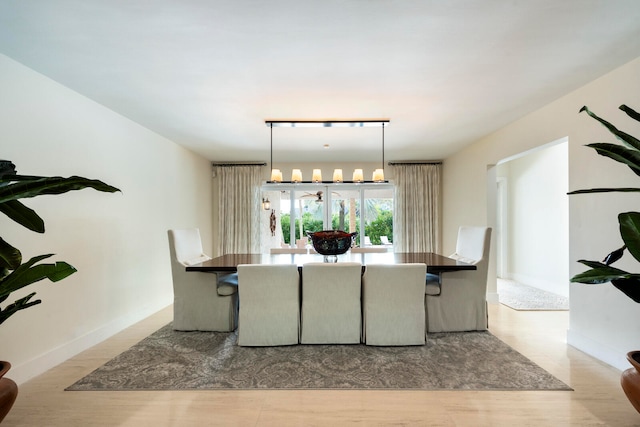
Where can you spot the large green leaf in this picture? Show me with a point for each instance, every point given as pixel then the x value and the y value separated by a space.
pixel 29 273
pixel 12 188
pixel 49 185
pixel 7 168
pixel 629 222
pixel 629 284
pixel 614 256
pixel 630 232
pixel 22 215
pixel 630 287
pixel 605 190
pixel 627 156
pixel 10 257
pixel 622 136
pixel 598 264
pixel 18 305
pixel 599 273
pixel 630 112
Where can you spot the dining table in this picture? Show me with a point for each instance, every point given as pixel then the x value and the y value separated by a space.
pixel 436 263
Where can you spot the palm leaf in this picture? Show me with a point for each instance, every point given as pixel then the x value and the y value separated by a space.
pixel 630 112
pixel 605 190
pixel 29 273
pixel 629 222
pixel 23 215
pixel 10 257
pixel 12 188
pixel 49 185
pixel 622 136
pixel 627 156
pixel 18 305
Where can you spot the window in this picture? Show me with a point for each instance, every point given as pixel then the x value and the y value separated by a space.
pixel 301 208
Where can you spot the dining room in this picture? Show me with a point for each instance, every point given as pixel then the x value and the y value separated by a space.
pixel 54 123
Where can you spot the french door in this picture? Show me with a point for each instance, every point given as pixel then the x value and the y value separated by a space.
pixel 363 208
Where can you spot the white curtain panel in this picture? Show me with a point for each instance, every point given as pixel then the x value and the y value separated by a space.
pixel 238 189
pixel 418 199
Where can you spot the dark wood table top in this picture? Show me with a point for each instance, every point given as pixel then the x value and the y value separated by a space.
pixel 435 263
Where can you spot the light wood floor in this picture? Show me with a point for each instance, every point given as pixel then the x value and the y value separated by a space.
pixel 597 400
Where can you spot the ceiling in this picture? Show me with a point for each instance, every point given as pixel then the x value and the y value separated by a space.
pixel 206 74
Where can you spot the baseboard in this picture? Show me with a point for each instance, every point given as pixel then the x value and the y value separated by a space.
pixel 611 356
pixel 20 373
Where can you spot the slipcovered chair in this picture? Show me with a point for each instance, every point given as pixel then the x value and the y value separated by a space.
pixel 269 305
pixel 459 301
pixel 201 301
pixel 393 311
pixel 331 309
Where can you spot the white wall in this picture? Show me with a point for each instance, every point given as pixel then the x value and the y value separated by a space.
pixel 118 242
pixel 538 213
pixel 603 322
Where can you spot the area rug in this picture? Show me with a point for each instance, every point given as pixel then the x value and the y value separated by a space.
pixel 171 360
pixel 522 297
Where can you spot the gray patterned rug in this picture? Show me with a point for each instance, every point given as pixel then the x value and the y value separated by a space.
pixel 171 360
pixel 522 297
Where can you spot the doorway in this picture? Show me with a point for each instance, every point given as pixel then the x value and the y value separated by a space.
pixel 532 235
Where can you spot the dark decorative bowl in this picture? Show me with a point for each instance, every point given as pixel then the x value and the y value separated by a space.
pixel 331 242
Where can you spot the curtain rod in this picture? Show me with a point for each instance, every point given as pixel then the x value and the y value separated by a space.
pixel 239 164
pixel 414 163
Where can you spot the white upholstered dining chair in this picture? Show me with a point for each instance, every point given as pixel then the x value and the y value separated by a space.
pixel 331 306
pixel 459 301
pixel 201 301
pixel 269 304
pixel 393 311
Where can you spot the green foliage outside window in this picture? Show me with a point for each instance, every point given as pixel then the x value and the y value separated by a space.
pixel 308 224
pixel 381 226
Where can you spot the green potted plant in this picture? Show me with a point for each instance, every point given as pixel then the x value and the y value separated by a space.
pixel 627 153
pixel 15 274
